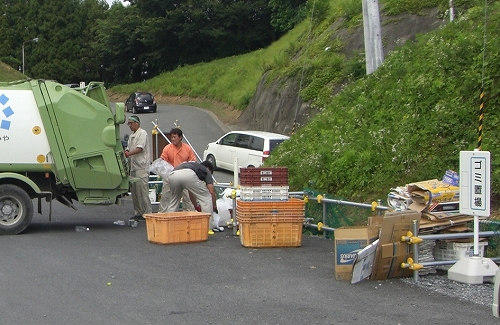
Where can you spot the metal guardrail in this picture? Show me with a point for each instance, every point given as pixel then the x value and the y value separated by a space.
pixel 376 207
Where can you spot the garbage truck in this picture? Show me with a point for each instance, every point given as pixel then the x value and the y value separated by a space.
pixel 57 143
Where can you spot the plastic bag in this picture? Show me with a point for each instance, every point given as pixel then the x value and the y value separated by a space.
pixel 224 215
pixel 215 220
pixel 226 196
pixel 161 167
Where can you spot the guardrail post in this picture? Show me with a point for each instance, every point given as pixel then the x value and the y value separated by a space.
pixel 415 247
pixel 235 223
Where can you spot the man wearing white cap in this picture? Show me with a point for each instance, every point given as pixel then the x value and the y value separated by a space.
pixel 137 152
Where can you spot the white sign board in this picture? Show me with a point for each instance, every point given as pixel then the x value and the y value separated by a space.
pixel 475 183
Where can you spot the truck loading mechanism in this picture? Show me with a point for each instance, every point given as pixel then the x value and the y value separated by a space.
pixel 57 143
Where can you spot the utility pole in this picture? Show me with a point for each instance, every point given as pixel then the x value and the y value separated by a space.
pixel 452 14
pixel 30 40
pixel 374 53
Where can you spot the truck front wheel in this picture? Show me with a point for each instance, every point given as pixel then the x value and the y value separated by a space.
pixel 16 209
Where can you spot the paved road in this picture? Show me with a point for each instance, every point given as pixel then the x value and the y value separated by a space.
pixel 112 274
pixel 52 274
pixel 199 127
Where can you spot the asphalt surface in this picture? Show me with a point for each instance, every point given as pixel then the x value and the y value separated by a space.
pixel 110 274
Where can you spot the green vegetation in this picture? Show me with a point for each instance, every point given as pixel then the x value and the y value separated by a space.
pixel 409 120
pixel 406 122
pixel 120 44
pixel 233 80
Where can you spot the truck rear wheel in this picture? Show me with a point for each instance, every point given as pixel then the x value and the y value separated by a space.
pixel 16 209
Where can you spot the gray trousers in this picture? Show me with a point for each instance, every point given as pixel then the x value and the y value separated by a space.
pixel 140 192
pixel 166 195
pixel 186 179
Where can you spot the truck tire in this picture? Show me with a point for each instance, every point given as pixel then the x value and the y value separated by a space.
pixel 16 209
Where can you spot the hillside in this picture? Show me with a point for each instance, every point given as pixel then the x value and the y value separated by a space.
pixel 409 120
pixel 276 106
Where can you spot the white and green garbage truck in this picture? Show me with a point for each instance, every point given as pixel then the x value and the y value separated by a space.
pixel 57 142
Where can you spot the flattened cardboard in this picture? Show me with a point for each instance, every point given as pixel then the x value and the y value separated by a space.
pixel 431 191
pixel 388 261
pixel 436 216
pixel 363 264
pixel 391 252
pixel 390 220
pixel 375 221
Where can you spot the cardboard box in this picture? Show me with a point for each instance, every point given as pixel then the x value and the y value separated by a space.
pixel 375 221
pixel 432 191
pixel 348 241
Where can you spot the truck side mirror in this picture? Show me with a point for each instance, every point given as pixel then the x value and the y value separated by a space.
pixel 119 113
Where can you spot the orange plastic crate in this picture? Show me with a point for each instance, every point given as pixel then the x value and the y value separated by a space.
pixel 177 227
pixel 270 232
pixel 291 207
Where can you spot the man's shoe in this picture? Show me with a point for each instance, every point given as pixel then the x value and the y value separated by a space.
pixel 137 218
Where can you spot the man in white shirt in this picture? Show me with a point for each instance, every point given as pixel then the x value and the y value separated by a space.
pixel 137 152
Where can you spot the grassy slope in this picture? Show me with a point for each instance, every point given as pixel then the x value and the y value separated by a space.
pixel 409 120
pixel 9 74
pixel 231 80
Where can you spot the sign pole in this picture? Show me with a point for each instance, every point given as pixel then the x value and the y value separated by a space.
pixel 475 201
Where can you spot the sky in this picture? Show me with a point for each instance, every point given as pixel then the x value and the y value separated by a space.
pixel 111 1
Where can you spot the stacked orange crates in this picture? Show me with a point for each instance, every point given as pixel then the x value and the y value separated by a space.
pixel 265 214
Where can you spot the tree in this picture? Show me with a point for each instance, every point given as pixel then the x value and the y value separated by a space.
pixel 82 40
pixel 209 29
pixel 13 31
pixel 285 14
pixel 117 45
pixel 62 52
